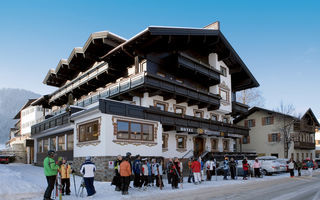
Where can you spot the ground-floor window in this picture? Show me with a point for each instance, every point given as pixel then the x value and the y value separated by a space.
pixel 181 141
pixel 70 141
pixel 45 145
pixel 39 146
pixel 297 156
pixel 307 155
pixel 214 144
pixel 61 143
pixel 53 143
pixel 292 156
pixel 225 145
pixel 311 156
pixel 302 156
pixel 165 138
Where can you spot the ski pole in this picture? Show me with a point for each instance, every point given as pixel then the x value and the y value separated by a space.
pixel 74 183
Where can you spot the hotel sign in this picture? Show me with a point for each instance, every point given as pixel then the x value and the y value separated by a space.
pixel 234 135
pixel 186 129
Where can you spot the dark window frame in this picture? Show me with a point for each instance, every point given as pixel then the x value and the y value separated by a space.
pixel 87 131
pixel 141 131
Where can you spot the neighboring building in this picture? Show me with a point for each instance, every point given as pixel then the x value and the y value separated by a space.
pixel 166 92
pixel 266 135
pixel 20 140
pixel 317 143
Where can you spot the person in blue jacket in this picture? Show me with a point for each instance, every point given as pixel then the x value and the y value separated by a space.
pixel 137 182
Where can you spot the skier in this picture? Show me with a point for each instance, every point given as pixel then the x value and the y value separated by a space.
pixel 190 171
pixel 291 167
pixel 137 172
pixel 158 168
pixel 125 173
pixel 145 173
pixel 196 168
pixel 65 171
pixel 310 167
pixel 245 167
pixel 50 171
pixel 116 178
pixel 88 169
pixel 256 168
pixel 210 169
pixel 150 180
pixel 175 171
pixel 299 167
pixel 153 170
pixel 225 168
pixel 233 167
pixel 169 170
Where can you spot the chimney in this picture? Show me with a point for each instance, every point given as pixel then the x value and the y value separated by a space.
pixel 214 26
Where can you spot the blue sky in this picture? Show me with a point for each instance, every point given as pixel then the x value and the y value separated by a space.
pixel 278 40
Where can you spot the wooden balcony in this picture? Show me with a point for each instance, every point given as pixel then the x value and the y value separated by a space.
pixel 239 108
pixel 304 145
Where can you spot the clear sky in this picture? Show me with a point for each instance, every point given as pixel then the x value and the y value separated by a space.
pixel 278 40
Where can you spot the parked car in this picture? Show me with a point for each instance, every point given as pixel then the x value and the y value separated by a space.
pixel 4 159
pixel 304 164
pixel 317 161
pixel 269 165
pixel 283 164
pixel 239 172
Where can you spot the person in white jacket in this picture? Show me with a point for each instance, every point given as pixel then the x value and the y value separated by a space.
pixel 88 169
pixel 145 173
pixel 209 168
pixel 256 167
pixel 291 167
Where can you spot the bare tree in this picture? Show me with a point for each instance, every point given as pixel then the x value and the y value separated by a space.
pixel 251 97
pixel 285 115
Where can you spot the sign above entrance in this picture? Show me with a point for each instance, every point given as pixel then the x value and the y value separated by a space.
pixel 234 135
pixel 212 133
pixel 186 129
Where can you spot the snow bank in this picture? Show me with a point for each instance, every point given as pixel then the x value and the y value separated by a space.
pixel 20 181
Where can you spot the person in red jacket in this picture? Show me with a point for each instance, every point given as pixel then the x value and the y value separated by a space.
pixel 196 169
pixel 245 167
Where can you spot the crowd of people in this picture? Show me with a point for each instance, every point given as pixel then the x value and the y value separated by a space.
pixel 148 172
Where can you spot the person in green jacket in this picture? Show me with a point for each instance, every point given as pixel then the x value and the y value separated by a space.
pixel 50 171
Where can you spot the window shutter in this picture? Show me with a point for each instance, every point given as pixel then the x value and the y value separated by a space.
pixel 263 121
pixel 246 123
pixel 278 137
pixel 253 123
pixel 269 137
pixel 248 139
pixel 272 120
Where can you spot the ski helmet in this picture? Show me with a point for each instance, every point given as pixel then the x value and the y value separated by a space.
pixel 51 153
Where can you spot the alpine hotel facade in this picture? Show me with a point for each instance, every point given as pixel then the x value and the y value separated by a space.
pixel 166 92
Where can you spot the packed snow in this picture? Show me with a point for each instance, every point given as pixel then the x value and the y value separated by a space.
pixel 21 181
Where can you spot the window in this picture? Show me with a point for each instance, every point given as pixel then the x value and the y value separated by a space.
pixel 225 145
pixel 161 105
pixel 297 158
pixel 267 120
pixel 39 146
pixel 302 156
pixel 165 141
pixel 311 156
pixel 198 113
pixel 214 117
pixel 307 155
pixel 181 141
pixel 214 144
pixel 224 94
pixel 45 145
pixel 61 143
pixel 274 137
pixel 70 141
pixel 292 156
pixel 246 140
pixel 223 71
pixel 89 131
pixel 250 123
pixel 225 120
pixel 53 143
pixel 179 109
pixel 134 131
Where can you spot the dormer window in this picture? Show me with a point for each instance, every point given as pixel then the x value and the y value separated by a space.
pixel 223 71
pixel 161 105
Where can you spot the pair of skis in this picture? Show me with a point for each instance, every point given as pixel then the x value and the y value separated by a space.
pixel 159 178
pixel 179 177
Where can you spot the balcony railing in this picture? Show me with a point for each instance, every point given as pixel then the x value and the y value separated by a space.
pixel 304 145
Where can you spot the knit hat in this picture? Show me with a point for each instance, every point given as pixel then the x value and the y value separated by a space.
pixel 88 158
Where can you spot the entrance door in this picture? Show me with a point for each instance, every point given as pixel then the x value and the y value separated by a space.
pixel 31 154
pixel 198 146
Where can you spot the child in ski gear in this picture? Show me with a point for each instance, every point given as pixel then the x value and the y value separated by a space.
pixel 245 167
pixel 50 171
pixel 116 179
pixel 190 171
pixel 233 168
pixel 88 169
pixel 125 173
pixel 137 172
pixel 196 168
pixel 256 168
pixel 65 171
pixel 225 168
pixel 291 167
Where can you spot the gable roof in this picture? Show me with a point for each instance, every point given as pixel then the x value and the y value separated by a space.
pixel 309 111
pixel 17 116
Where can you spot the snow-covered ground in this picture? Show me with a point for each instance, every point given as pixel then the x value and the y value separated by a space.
pixel 20 181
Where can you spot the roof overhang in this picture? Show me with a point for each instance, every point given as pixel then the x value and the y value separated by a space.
pixel 204 41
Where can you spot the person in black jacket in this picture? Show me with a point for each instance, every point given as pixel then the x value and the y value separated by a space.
pixel 116 179
pixel 176 176
pixel 233 167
